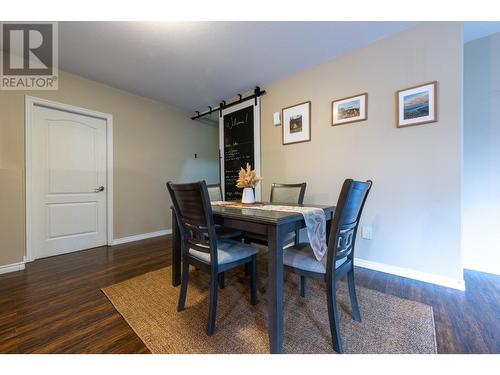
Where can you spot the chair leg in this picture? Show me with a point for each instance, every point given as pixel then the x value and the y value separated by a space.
pixel 253 280
pixel 221 280
pixel 212 311
pixel 302 286
pixel 352 294
pixel 184 285
pixel 334 317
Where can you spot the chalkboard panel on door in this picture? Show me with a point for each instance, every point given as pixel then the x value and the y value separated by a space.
pixel 238 148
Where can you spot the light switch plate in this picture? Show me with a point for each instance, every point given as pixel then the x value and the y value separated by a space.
pixel 277 118
pixel 367 232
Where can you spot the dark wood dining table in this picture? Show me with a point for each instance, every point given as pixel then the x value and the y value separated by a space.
pixel 273 224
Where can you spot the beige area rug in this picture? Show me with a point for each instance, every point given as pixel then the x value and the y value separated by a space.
pixel 148 303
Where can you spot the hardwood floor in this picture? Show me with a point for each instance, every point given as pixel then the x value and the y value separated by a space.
pixel 56 305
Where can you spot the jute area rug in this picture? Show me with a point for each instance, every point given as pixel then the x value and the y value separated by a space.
pixel 149 305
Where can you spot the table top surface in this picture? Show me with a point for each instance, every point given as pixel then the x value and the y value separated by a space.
pixel 247 213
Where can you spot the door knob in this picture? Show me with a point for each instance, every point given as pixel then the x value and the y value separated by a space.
pixel 99 189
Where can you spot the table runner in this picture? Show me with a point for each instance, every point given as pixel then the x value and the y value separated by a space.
pixel 314 218
pixel 222 203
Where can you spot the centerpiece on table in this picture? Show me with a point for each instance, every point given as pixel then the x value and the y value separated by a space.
pixel 247 180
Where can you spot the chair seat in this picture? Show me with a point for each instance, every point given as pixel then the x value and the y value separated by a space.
pixel 225 233
pixel 228 251
pixel 302 257
pixel 289 237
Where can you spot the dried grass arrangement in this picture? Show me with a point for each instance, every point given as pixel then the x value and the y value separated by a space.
pixel 247 178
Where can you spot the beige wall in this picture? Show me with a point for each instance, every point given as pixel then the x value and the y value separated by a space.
pixel 414 207
pixel 481 180
pixel 153 143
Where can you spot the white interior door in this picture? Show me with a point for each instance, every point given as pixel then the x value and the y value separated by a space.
pixel 68 182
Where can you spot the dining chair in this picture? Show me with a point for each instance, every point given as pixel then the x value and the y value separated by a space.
pixel 301 260
pixel 215 194
pixel 286 194
pixel 202 249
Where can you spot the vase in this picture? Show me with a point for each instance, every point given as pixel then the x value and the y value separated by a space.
pixel 248 195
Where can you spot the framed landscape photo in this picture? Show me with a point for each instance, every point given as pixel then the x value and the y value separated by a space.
pixel 417 105
pixel 296 123
pixel 349 110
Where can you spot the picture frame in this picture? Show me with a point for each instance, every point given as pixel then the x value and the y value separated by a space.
pixel 417 105
pixel 349 110
pixel 296 123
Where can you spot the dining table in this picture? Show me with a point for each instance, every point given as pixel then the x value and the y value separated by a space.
pixel 274 225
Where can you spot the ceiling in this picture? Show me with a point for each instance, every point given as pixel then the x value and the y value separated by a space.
pixel 196 64
pixel 476 30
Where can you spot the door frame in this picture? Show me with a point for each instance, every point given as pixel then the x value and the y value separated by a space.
pixel 30 103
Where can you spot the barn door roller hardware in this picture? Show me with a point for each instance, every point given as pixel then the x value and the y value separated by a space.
pixel 256 93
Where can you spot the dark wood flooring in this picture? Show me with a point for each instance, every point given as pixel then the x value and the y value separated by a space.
pixel 56 306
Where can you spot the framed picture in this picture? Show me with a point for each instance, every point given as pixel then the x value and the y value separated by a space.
pixel 349 110
pixel 296 123
pixel 417 105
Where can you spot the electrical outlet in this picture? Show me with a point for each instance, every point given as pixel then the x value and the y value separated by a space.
pixel 367 232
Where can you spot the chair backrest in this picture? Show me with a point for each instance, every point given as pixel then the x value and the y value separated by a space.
pixel 215 192
pixel 288 193
pixel 346 220
pixel 194 217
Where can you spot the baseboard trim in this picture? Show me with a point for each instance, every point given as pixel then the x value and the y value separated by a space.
pixel 480 267
pixel 411 274
pixel 139 237
pixel 12 267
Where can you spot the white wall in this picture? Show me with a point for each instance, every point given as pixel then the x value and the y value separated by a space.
pixel 481 178
pixel 414 207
